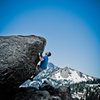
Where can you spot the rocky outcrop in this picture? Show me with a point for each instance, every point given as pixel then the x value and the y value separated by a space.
pixel 46 92
pixel 18 60
pixel 31 93
pixel 59 93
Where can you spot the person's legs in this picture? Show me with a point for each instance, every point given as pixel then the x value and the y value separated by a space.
pixel 37 71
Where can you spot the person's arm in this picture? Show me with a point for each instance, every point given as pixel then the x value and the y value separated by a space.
pixel 41 59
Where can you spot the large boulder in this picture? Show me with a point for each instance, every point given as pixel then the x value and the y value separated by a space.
pixel 45 92
pixel 18 60
pixel 31 93
pixel 60 93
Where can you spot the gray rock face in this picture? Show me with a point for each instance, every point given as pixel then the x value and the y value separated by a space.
pixel 32 94
pixel 45 92
pixel 18 60
pixel 64 93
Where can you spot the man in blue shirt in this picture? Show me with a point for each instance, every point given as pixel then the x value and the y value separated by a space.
pixel 44 60
pixel 43 64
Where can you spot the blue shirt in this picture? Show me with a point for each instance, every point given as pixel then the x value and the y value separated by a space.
pixel 44 63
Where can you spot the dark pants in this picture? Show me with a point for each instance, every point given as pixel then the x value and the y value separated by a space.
pixel 38 70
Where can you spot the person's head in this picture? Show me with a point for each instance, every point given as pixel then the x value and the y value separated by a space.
pixel 48 54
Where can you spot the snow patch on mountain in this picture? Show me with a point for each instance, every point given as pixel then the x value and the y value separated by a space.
pixel 70 75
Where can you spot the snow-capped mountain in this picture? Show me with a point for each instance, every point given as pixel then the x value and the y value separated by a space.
pixel 56 76
pixel 70 75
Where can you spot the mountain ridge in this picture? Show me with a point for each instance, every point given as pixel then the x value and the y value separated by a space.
pixel 75 70
pixel 57 76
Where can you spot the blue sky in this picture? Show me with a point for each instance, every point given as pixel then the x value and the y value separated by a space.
pixel 71 27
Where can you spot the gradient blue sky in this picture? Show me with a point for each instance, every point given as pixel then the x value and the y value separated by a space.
pixel 71 27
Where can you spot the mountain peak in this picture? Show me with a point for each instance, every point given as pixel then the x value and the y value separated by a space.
pixel 71 75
